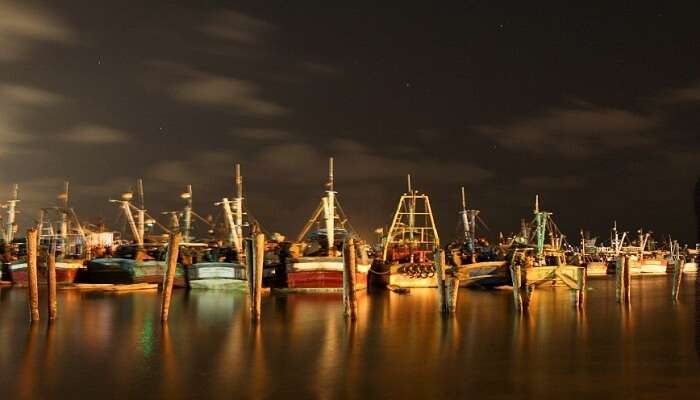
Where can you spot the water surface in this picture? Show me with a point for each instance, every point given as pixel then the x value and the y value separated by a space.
pixel 106 346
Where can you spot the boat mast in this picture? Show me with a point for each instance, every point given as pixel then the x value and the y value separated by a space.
pixel 540 227
pixel 141 214
pixel 469 222
pixel 329 209
pixel 187 214
pixel 11 214
pixel 238 227
pixel 64 212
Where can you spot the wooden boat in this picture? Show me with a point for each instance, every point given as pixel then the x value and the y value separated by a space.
pixel 143 260
pixel 315 262
pixel 128 271
pixel 592 257
pixel 408 247
pixel 478 264
pixel 540 262
pixel 66 272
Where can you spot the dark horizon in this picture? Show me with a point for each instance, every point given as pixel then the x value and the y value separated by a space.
pixel 592 108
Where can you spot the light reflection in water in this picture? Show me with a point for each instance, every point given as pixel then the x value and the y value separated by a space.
pixel 400 347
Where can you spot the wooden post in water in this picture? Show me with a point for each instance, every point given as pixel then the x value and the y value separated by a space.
pixel 32 242
pixel 452 284
pixel 173 251
pixel 439 258
pixel 677 278
pixel 515 277
pixel 619 278
pixel 349 279
pixel 257 283
pixel 250 266
pixel 627 277
pixel 51 280
pixel 580 286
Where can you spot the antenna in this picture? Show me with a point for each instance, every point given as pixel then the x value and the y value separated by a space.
pixel 330 174
pixel 464 200
pixel 141 197
pixel 15 192
pixel 537 203
pixel 409 184
pixel 65 192
pixel 239 182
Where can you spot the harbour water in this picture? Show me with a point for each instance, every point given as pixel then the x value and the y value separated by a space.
pixel 106 346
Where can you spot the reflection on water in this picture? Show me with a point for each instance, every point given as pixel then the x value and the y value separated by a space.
pixel 113 346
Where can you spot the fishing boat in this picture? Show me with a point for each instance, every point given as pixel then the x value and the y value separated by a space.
pixel 593 257
pixel 220 267
pixel 642 260
pixel 412 238
pixel 478 264
pixel 314 262
pixel 543 262
pixel 8 228
pixel 142 260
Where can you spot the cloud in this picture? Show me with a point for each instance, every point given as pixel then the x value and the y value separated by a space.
pixel 21 25
pixel 574 132
pixel 241 95
pixel 261 134
pixel 689 94
pixel 17 103
pixel 234 26
pixel 560 182
pixel 94 134
pixel 25 95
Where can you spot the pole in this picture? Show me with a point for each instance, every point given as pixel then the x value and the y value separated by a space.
pixel 51 280
pixel 677 278
pixel 173 251
pixel 349 279
pixel 439 258
pixel 32 236
pixel 259 264
pixel 628 281
pixel 619 278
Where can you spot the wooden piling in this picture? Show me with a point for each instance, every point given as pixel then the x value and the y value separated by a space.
pixel 249 245
pixel 439 258
pixel 173 251
pixel 452 284
pixel 515 276
pixel 581 278
pixel 51 280
pixel 619 278
pixel 258 273
pixel 677 278
pixel 349 279
pixel 32 242
pixel 628 280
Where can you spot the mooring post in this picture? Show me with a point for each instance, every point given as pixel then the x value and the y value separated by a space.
pixel 51 280
pixel 677 278
pixel 258 273
pixel 581 278
pixel 619 278
pixel 452 292
pixel 439 258
pixel 349 279
pixel 628 280
pixel 173 251
pixel 249 245
pixel 515 277
pixel 32 278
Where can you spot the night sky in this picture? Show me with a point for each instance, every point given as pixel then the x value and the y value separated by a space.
pixel 596 108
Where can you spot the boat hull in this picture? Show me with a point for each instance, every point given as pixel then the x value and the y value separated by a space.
pixel 690 268
pixel 127 271
pixel 484 274
pixel 217 276
pixel 596 268
pixel 648 267
pixel 66 273
pixel 322 273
